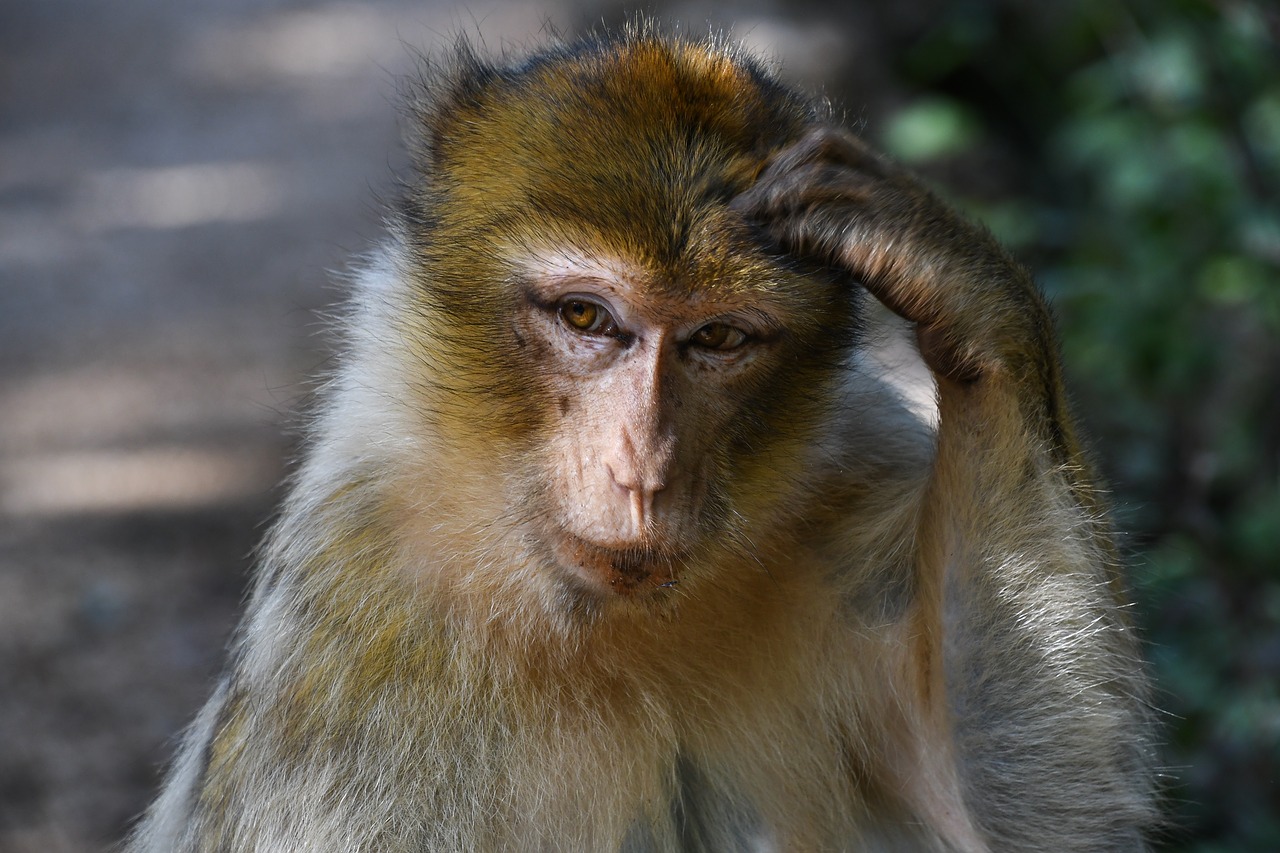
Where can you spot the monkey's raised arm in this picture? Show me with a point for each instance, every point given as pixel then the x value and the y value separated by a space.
pixel 1030 684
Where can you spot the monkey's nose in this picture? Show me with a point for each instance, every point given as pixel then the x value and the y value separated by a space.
pixel 639 491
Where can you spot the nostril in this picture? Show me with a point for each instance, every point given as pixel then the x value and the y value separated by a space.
pixel 621 482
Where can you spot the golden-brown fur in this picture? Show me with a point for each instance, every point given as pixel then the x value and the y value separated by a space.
pixel 704 579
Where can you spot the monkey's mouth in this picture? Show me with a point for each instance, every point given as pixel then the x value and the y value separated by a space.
pixel 625 571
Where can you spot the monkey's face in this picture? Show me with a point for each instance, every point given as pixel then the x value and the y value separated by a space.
pixel 659 399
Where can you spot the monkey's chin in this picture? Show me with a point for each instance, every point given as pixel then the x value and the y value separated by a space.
pixel 617 572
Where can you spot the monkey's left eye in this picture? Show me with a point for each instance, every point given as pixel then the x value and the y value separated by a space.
pixel 719 336
pixel 584 316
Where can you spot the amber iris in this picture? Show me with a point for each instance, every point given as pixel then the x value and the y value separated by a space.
pixel 582 315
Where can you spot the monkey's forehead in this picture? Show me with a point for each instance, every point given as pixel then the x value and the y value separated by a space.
pixel 644 87
pixel 640 140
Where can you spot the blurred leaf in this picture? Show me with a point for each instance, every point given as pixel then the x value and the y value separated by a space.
pixel 1255 530
pixel 1261 123
pixel 1232 279
pixel 1012 222
pixel 1167 70
pixel 930 128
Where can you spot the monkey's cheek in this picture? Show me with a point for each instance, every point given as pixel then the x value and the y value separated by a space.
pixel 617 572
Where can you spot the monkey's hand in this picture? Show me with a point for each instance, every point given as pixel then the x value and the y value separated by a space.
pixel 831 197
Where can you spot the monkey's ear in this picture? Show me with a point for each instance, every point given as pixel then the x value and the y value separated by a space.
pixel 436 94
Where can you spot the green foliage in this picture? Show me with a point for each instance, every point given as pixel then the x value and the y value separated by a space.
pixel 1148 132
pixel 930 128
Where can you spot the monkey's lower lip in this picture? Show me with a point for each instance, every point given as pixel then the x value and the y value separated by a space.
pixel 620 571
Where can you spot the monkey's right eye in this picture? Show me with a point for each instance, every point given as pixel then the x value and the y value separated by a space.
pixel 587 317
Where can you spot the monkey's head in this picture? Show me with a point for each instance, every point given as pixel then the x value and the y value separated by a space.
pixel 641 372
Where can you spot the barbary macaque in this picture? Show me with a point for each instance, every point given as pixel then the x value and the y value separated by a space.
pixel 616 530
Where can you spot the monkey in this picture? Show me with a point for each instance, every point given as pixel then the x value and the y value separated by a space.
pixel 616 530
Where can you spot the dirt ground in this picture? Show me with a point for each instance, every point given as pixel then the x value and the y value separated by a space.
pixel 176 182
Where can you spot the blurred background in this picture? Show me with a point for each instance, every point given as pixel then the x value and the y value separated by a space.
pixel 178 179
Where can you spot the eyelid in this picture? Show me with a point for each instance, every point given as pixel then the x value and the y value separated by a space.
pixel 756 325
pixel 582 296
pixel 743 324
